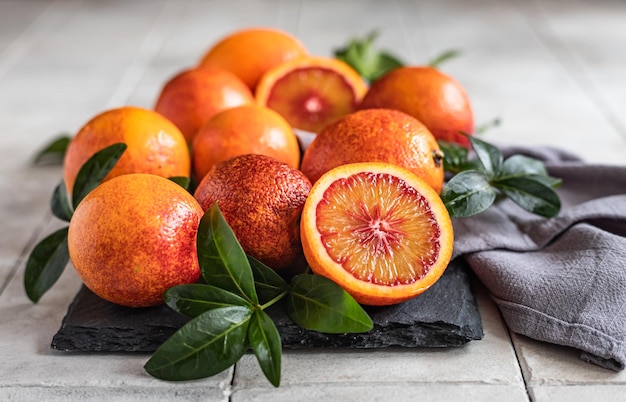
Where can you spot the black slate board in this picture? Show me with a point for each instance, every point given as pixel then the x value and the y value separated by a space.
pixel 445 315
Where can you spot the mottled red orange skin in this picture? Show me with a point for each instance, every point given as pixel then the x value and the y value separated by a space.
pixel 435 99
pixel 154 144
pixel 192 96
pixel 376 135
pixel 134 237
pixel 244 130
pixel 261 199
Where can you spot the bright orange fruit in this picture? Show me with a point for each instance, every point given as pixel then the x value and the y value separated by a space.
pixel 377 230
pixel 435 99
pixel 193 96
pixel 154 144
pixel 261 199
pixel 311 92
pixel 134 237
pixel 376 135
pixel 244 130
pixel 249 53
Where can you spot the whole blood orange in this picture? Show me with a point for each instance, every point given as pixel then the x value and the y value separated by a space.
pixel 249 53
pixel 134 237
pixel 154 144
pixel 311 92
pixel 376 135
pixel 434 98
pixel 192 96
pixel 244 130
pixel 377 230
pixel 261 199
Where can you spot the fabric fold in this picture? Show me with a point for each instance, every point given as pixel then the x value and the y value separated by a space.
pixel 560 280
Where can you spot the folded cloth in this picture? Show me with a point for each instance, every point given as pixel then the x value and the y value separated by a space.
pixel 560 280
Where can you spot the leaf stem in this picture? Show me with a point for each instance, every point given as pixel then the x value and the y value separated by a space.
pixel 275 299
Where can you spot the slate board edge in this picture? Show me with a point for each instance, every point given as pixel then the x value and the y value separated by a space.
pixel 149 337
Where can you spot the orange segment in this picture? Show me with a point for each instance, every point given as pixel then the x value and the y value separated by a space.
pixel 377 230
pixel 311 92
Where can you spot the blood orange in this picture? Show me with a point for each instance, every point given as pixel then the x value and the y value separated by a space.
pixel 377 230
pixel 311 92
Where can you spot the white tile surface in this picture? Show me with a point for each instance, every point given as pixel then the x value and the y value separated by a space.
pixel 554 71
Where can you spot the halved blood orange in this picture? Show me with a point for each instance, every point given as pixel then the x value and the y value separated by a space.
pixel 311 92
pixel 378 231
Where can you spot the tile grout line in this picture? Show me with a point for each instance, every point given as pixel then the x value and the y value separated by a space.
pixel 568 60
pixel 405 31
pixel 518 359
pixel 23 255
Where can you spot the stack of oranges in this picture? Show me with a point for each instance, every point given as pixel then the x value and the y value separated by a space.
pixel 359 204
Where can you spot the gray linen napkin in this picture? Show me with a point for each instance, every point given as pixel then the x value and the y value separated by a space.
pixel 559 280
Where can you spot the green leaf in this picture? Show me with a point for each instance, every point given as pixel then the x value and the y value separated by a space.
pixel 54 152
pixel 549 181
pixel 182 181
pixel 531 194
pixel 223 262
pixel 468 193
pixel 521 165
pixel 488 155
pixel 205 346
pixel 60 203
pixel 319 304
pixel 444 57
pixel 456 158
pixel 267 282
pixel 265 341
pixel 196 298
pixel 370 63
pixel 384 63
pixel 46 264
pixel 94 170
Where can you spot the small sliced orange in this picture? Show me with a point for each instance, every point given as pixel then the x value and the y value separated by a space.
pixel 311 92
pixel 378 231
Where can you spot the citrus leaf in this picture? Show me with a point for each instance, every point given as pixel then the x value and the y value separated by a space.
pixel 549 181
pixel 182 181
pixel 267 282
pixel 46 264
pixel 531 194
pixel 54 152
pixel 489 156
pixel 265 341
pixel 444 57
pixel 196 298
pixel 207 345
pixel 223 262
pixel 60 203
pixel 383 63
pixel 521 165
pixel 370 63
pixel 468 193
pixel 319 304
pixel 456 158
pixel 94 170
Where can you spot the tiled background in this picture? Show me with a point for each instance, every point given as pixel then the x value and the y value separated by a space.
pixel 553 71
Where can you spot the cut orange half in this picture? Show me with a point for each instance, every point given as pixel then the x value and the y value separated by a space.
pixel 378 231
pixel 311 92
